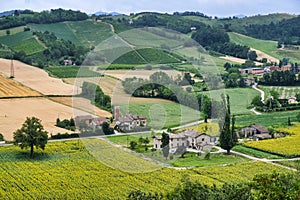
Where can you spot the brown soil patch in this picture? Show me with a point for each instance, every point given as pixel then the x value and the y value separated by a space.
pixel 237 60
pixel 82 104
pixel 11 88
pixel 144 74
pixel 36 78
pixel 13 113
pixel 261 55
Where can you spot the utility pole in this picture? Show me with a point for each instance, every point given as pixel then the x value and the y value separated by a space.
pixel 12 71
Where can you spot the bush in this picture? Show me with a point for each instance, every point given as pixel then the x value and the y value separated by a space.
pixel 1 137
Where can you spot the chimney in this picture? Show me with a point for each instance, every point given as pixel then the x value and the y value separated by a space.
pixel 116 113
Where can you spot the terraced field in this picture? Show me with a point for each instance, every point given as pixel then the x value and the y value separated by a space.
pixel 10 88
pixel 70 165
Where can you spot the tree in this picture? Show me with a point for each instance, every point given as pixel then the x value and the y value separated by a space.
pixel 7 32
pixel 165 139
pixel 227 138
pixel 252 55
pixel 166 151
pixel 1 137
pixel 298 117
pixel 289 121
pixel 31 134
pixel 133 144
pixel 106 129
pixel 256 101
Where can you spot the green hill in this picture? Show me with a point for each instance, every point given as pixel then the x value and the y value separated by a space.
pixel 84 33
pixel 267 46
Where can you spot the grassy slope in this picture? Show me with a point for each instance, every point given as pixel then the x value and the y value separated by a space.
pixel 85 33
pixel 22 41
pixel 266 46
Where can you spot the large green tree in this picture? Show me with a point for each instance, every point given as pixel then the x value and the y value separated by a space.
pixel 31 134
pixel 228 136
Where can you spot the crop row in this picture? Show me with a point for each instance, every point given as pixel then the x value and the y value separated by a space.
pixel 68 170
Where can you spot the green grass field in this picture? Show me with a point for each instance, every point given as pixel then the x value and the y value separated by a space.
pixel 192 159
pixel 255 153
pixel 267 46
pixel 240 98
pixel 162 115
pixel 266 119
pixel 12 30
pixel 72 72
pixel 85 33
pixel 72 170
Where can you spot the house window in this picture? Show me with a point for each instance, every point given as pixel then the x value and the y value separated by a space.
pixel 182 144
pixel 171 139
pixel 202 139
pixel 161 146
pixel 177 139
pixel 156 146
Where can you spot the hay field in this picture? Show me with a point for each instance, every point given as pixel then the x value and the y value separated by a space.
pixel 13 113
pixel 11 88
pixel 113 87
pixel 36 78
pixel 81 104
pixel 144 74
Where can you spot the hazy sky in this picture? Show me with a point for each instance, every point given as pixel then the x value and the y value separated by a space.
pixel 219 8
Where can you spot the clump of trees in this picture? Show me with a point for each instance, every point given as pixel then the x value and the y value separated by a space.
pixel 279 78
pixel 217 39
pixel 31 134
pixel 66 124
pixel 94 93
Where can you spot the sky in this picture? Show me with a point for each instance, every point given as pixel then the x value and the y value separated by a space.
pixel 220 8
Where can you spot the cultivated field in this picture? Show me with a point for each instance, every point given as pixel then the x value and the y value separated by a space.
pixel 114 88
pixel 11 88
pixel 284 92
pixel 288 146
pixel 144 74
pixel 36 78
pixel 70 166
pixel 13 113
pixel 81 104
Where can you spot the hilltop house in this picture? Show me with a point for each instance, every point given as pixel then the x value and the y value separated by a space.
pixel 89 121
pixel 189 139
pixel 257 132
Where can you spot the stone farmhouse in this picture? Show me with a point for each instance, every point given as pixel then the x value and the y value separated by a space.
pixel 257 132
pixel 128 121
pixel 90 121
pixel 189 139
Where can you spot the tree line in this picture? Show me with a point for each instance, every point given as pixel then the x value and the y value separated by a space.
pixel 286 31
pixel 160 85
pixel 21 18
pixel 262 187
pixel 216 39
pixel 279 78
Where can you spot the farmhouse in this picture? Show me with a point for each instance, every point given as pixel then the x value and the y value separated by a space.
pixel 93 122
pixel 255 70
pixel 189 139
pixel 257 132
pixel 128 121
